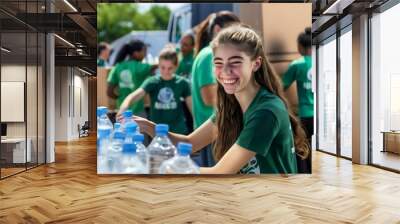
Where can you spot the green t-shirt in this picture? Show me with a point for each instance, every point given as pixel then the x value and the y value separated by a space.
pixel 128 76
pixel 101 63
pixel 166 106
pixel 185 65
pixel 267 132
pixel 202 75
pixel 300 71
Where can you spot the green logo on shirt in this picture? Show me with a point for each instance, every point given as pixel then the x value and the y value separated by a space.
pixel 308 85
pixel 166 99
pixel 251 167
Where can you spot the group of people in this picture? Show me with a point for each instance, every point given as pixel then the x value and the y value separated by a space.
pixel 222 79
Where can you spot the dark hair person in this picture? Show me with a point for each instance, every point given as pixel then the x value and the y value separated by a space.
pixel 300 71
pixel 103 53
pixel 186 55
pixel 253 129
pixel 136 50
pixel 128 75
pixel 207 30
pixel 186 59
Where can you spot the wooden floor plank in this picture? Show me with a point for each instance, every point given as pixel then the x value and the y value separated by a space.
pixel 70 191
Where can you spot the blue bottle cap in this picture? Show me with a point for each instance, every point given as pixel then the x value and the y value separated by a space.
pixel 162 129
pixel 129 148
pixel 127 114
pixel 130 127
pixel 117 125
pixel 119 135
pixel 101 111
pixel 104 132
pixel 138 138
pixel 184 148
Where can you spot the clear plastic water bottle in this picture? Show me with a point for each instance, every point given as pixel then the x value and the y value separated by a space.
pixel 130 131
pixel 104 129
pixel 160 148
pixel 131 164
pixel 180 163
pixel 102 118
pixel 103 142
pixel 115 149
pixel 117 126
pixel 128 117
pixel 141 150
pixel 100 110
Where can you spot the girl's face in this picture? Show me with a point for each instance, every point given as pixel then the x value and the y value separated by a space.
pixel 233 68
pixel 167 68
pixel 140 55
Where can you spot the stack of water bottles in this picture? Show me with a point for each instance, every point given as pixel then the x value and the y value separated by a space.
pixel 120 149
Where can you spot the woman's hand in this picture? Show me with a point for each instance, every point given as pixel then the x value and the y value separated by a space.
pixel 119 117
pixel 145 125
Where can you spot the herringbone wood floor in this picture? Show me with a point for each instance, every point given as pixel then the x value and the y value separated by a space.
pixel 69 191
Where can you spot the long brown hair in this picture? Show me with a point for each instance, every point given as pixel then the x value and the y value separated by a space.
pixel 229 116
pixel 204 33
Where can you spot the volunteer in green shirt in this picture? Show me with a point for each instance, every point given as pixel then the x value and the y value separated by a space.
pixel 253 128
pixel 203 80
pixel 165 93
pixel 204 85
pixel 300 71
pixel 103 53
pixel 129 75
pixel 186 56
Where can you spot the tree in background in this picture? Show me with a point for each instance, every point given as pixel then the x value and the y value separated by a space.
pixel 115 20
pixel 160 15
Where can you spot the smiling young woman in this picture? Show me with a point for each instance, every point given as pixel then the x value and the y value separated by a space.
pixel 253 129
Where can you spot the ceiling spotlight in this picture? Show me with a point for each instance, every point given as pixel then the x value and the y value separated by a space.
pixel 84 71
pixel 337 7
pixel 70 5
pixel 64 40
pixel 5 50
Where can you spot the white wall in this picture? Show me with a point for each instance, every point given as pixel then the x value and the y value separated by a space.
pixel 33 126
pixel 71 94
pixel 14 73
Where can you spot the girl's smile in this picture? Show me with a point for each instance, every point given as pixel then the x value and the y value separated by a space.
pixel 233 68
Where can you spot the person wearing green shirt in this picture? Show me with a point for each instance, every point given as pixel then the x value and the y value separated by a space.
pixel 253 128
pixel 165 93
pixel 129 75
pixel 204 85
pixel 300 71
pixel 103 53
pixel 186 56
